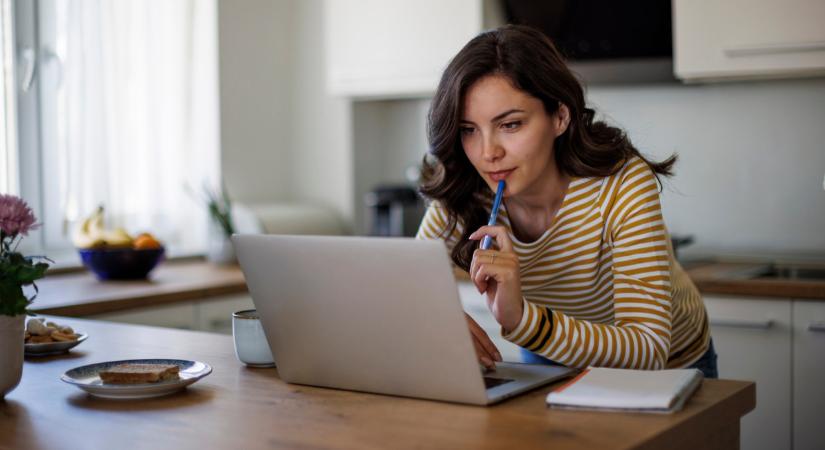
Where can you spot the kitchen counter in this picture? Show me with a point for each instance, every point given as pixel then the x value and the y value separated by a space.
pixel 79 294
pixel 239 407
pixel 729 278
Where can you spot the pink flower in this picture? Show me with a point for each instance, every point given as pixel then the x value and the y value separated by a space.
pixel 15 216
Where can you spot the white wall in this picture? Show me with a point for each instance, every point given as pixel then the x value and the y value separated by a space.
pixel 283 138
pixel 321 125
pixel 752 153
pixel 752 159
pixel 255 60
pixel 752 156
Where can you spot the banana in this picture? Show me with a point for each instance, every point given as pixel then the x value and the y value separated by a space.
pixel 92 233
pixel 87 235
pixel 117 238
pixel 95 229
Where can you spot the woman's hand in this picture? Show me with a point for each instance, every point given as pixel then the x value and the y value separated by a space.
pixel 485 349
pixel 496 273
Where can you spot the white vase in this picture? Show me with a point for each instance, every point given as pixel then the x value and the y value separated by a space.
pixel 220 250
pixel 12 331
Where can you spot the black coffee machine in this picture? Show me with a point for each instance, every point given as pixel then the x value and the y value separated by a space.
pixel 393 210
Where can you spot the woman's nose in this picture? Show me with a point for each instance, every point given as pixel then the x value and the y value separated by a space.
pixel 491 149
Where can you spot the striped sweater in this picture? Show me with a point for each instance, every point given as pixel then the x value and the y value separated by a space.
pixel 601 286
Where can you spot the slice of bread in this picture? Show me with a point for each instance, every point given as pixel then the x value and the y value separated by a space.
pixel 139 373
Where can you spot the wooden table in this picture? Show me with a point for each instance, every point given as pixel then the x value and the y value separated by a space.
pixel 241 408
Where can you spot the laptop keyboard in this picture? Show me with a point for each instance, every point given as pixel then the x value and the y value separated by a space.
pixel 490 382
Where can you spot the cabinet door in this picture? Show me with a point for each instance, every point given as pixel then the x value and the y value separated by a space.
pixel 753 340
pixel 215 313
pixel 378 48
pixel 809 374
pixel 748 38
pixel 179 315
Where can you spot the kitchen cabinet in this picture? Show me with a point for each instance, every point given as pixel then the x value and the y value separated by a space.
pixel 213 314
pixel 752 337
pixel 379 49
pixel 808 375
pixel 739 39
pixel 179 315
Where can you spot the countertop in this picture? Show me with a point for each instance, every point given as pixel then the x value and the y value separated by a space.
pixel 736 278
pixel 79 294
pixel 239 407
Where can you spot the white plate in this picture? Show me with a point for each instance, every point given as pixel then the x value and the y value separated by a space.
pixel 86 378
pixel 53 348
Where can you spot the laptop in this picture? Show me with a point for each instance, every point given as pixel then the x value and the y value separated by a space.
pixel 370 314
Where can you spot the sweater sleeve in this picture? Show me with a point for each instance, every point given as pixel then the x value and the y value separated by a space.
pixel 639 336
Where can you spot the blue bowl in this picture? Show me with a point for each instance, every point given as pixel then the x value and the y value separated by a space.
pixel 121 263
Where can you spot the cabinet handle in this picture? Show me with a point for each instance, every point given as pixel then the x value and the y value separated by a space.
pixel 742 323
pixel 817 326
pixel 754 50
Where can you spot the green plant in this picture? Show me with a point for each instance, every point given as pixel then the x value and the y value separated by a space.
pixel 16 270
pixel 219 206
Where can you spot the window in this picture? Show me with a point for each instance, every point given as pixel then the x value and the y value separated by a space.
pixel 8 143
pixel 122 111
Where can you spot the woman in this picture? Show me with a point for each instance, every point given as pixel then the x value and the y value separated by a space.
pixel 582 271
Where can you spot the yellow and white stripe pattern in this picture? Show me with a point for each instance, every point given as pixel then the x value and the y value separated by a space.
pixel 601 286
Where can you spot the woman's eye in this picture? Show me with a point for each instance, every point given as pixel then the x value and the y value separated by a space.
pixel 511 125
pixel 466 130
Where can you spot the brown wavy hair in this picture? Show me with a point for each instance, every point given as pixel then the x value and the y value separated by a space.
pixel 588 148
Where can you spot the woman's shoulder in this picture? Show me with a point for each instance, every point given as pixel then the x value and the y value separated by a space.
pixel 436 223
pixel 631 172
pixel 633 166
pixel 632 179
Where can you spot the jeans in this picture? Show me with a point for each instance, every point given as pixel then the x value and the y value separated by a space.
pixel 706 364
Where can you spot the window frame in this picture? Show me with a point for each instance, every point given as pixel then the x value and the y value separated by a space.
pixel 28 118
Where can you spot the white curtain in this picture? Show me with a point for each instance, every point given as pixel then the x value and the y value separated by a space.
pixel 137 113
pixel 8 143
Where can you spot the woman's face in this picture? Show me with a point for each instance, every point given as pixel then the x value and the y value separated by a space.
pixel 507 135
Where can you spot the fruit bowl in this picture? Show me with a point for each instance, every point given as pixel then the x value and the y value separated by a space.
pixel 121 263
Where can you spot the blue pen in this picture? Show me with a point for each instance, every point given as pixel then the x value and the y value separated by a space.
pixel 485 243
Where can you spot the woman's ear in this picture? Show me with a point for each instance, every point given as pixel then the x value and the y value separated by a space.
pixel 562 119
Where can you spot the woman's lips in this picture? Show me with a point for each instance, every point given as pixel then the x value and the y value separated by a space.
pixel 500 175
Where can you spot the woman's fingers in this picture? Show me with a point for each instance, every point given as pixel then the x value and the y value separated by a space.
pixel 483 357
pixel 499 235
pixel 484 258
pixel 497 275
pixel 497 266
pixel 484 346
pixel 492 260
pixel 488 346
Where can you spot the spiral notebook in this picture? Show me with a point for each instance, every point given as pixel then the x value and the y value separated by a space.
pixel 598 388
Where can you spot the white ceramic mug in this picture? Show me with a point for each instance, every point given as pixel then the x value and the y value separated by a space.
pixel 251 346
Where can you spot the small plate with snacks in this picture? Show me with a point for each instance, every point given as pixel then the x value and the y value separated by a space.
pixel 49 338
pixel 136 378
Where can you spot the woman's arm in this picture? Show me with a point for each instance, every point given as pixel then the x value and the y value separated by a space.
pixel 640 334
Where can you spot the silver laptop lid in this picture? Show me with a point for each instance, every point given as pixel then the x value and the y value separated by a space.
pixel 369 314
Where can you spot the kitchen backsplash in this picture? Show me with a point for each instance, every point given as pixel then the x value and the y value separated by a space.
pixel 752 156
